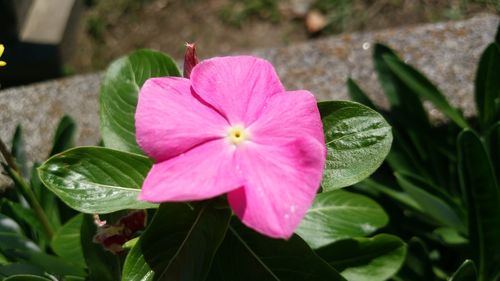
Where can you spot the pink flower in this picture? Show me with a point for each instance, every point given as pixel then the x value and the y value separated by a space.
pixel 232 128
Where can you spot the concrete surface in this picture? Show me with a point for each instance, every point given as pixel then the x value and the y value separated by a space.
pixel 446 52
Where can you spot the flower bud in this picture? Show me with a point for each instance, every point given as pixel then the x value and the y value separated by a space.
pixel 113 236
pixel 190 59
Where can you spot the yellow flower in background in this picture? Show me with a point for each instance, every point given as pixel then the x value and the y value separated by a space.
pixel 2 48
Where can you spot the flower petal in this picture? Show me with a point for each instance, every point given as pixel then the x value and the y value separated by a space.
pixel 169 120
pixel 288 115
pixel 281 183
pixel 236 86
pixel 203 172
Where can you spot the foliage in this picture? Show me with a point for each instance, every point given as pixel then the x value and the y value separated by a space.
pixel 440 182
pixel 192 241
pixel 434 211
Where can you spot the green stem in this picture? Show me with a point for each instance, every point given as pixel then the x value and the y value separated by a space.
pixel 30 196
pixel 8 157
pixel 14 172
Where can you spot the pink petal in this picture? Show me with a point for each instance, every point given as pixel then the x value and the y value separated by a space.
pixel 281 183
pixel 236 86
pixel 288 115
pixel 203 172
pixel 169 120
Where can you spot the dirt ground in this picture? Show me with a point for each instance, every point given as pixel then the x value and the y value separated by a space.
pixel 112 28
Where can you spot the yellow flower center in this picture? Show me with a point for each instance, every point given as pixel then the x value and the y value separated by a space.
pixel 237 134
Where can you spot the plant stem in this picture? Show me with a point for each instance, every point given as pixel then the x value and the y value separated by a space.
pixel 14 172
pixel 7 156
pixel 30 196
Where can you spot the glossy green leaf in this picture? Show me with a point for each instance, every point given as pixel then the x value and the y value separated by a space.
pixel 483 201
pixel 435 207
pixel 97 180
pixel 63 138
pixel 119 92
pixel 366 259
pixel 339 214
pixel 248 256
pixel 466 272
pixel 487 87
pixel 66 241
pixel 25 277
pixel 357 139
pixel 423 88
pixel 101 264
pixel 179 244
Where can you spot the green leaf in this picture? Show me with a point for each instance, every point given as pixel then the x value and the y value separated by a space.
pixel 339 214
pixel 487 86
pixel 434 206
pixel 47 200
pixel 179 244
pixel 51 264
pixel 12 238
pixel 357 94
pixel 494 148
pixel 423 88
pixel 405 104
pixel 63 138
pixel 357 139
pixel 366 259
pixel 466 272
pixel 96 180
pixel 418 265
pixel 18 151
pixel 119 93
pixel 19 268
pixel 66 242
pixel 450 236
pixel 3 259
pixel 27 216
pixel 248 256
pixel 25 277
pixel 101 264
pixel 483 201
pixel 401 197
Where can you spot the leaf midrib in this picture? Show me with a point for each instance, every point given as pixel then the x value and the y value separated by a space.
pixel 253 253
pixel 181 247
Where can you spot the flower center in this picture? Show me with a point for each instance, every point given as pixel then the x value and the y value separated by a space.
pixel 237 134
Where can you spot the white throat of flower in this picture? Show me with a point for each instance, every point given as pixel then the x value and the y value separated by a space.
pixel 237 134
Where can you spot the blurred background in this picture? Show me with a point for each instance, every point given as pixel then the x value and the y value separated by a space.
pixel 47 39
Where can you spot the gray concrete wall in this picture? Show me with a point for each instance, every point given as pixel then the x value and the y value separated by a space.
pixel 446 52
